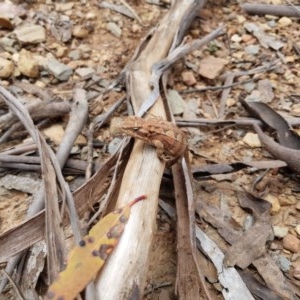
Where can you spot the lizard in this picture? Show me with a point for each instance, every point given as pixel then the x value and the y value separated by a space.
pixel 169 140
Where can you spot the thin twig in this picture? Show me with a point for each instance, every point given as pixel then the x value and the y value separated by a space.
pixel 17 290
pixel 216 88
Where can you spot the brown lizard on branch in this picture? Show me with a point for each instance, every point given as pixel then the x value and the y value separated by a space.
pixel 169 140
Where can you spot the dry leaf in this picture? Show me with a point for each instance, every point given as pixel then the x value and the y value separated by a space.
pixel 86 259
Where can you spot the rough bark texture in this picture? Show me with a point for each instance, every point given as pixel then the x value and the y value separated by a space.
pixel 269 9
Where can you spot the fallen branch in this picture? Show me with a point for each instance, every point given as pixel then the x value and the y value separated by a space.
pixel 269 9
pixel 144 170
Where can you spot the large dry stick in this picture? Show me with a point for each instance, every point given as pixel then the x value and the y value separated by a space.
pixel 126 269
pixel 269 9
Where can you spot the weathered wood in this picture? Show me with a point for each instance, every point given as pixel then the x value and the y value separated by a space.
pixel 269 9
pixel 126 269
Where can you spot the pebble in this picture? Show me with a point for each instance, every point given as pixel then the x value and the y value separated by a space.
pixel 6 68
pixel 296 272
pixel 230 102
pixel 85 48
pixel 7 42
pixel 236 38
pixel 61 51
pixel 275 208
pixel 287 200
pixel 30 33
pixel 248 222
pixel 176 102
pixel 291 243
pixel 283 263
pixel 90 16
pixel 252 140
pixel 285 21
pixel 252 49
pixel 75 54
pixel 188 78
pixel 80 32
pixel 246 37
pixel 85 73
pixel 241 19
pixel 64 6
pixel 135 28
pixel 27 65
pixel 40 84
pixel 59 70
pixel 211 67
pixel 249 86
pixel 280 231
pixel 266 90
pixel 297 229
pixel 114 29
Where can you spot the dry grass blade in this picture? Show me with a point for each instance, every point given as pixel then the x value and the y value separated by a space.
pixel 49 168
pixel 29 232
pixel 54 232
pixel 190 283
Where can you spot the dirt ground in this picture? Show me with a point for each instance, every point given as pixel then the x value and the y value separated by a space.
pixel 258 59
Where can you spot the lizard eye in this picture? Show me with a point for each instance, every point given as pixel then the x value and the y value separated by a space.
pixel 135 128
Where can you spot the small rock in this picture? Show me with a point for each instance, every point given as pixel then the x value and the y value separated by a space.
pixel 211 67
pixel 85 73
pixel 248 222
pixel 64 6
pixel 296 272
pixel 114 29
pixel 6 68
pixel 249 86
pixel 188 78
pixel 135 28
pixel 283 263
pixel 274 202
pixel 30 33
pixel 7 42
pixel 246 37
pixel 297 229
pixel 80 32
pixel 252 49
pixel 280 232
pixel 252 140
pixel 285 21
pixel 236 38
pixel 272 23
pixel 287 200
pixel 291 243
pixel 61 51
pixel 265 90
pixel 40 84
pixel 241 19
pixel 75 54
pixel 59 70
pixel 90 16
pixel 254 96
pixel 230 102
pixel 27 65
pixel 176 102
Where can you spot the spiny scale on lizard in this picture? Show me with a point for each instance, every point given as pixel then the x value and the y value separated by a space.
pixel 169 140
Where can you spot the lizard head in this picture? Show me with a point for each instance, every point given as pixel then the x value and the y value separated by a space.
pixel 125 126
